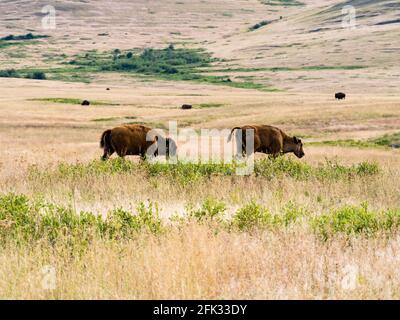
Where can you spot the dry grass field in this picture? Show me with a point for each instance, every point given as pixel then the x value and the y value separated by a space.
pixel 326 226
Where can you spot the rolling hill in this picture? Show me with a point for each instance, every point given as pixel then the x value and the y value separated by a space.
pixel 297 45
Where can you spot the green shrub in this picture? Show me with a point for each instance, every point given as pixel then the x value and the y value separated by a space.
pixel 388 139
pixel 259 25
pixel 252 216
pixel 15 218
pixel 366 168
pixel 28 36
pixel 122 224
pixel 23 220
pixel 269 168
pixel 353 220
pixel 291 214
pixel 210 209
pixel 38 75
pixel 334 170
pixel 10 73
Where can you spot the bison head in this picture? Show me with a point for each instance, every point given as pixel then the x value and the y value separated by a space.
pixel 297 148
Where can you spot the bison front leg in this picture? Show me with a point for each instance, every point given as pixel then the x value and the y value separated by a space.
pixel 107 154
pixel 275 150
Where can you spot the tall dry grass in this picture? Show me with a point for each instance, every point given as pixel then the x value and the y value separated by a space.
pixel 197 263
pixel 201 260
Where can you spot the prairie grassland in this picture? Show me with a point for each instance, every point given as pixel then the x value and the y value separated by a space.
pixel 196 262
pixel 50 153
pixel 323 227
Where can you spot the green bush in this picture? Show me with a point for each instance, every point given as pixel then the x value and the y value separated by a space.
pixel 23 220
pixel 291 214
pixel 122 224
pixel 28 36
pixel 259 25
pixel 353 220
pixel 38 75
pixel 252 216
pixel 366 168
pixel 269 168
pixel 9 73
pixel 388 139
pixel 210 209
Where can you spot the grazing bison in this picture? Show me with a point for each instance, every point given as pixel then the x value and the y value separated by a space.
pixel 340 96
pixel 186 106
pixel 85 103
pixel 270 140
pixel 135 139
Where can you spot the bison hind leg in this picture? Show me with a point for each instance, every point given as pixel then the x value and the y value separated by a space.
pixel 122 152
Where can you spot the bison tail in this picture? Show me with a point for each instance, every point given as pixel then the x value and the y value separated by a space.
pixel 230 135
pixel 105 139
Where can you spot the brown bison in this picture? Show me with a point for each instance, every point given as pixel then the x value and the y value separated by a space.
pixel 135 139
pixel 270 140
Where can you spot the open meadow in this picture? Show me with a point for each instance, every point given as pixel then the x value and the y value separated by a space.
pixel 326 226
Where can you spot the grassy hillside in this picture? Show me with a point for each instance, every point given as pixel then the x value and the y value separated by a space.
pixel 325 226
pixel 298 34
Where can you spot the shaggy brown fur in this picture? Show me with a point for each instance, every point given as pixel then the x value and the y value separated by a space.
pixel 132 140
pixel 270 140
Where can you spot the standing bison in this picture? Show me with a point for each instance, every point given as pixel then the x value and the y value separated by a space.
pixel 269 140
pixel 340 96
pixel 135 140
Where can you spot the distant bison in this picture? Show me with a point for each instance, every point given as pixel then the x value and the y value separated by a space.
pixel 85 103
pixel 135 139
pixel 270 140
pixel 340 95
pixel 186 106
